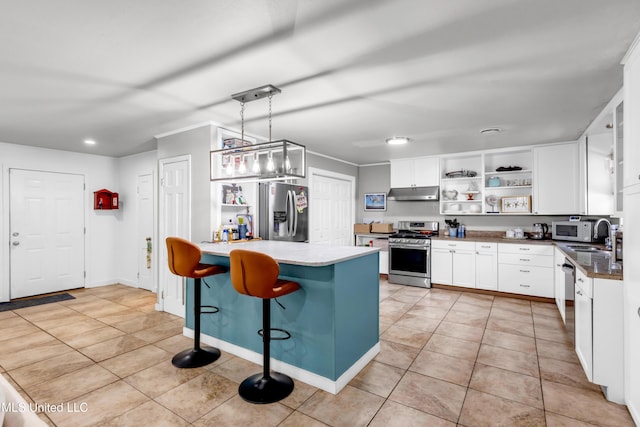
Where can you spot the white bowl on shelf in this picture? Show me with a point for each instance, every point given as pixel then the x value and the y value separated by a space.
pixel 474 208
pixel 453 207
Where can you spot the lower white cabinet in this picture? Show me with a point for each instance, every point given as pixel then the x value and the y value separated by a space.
pixel 526 269
pixel 583 305
pixel 453 263
pixel 559 283
pixel 487 266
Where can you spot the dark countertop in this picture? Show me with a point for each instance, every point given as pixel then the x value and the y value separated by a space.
pixel 595 265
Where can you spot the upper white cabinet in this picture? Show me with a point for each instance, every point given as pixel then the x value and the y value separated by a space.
pixel 418 172
pixel 557 187
pixel 631 114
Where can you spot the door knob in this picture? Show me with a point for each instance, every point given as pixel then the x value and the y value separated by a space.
pixel 15 243
pixel 15 234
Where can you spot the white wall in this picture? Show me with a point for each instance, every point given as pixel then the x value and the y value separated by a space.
pixel 127 247
pixel 102 226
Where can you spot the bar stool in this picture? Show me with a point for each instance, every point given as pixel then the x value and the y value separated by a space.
pixel 184 260
pixel 256 274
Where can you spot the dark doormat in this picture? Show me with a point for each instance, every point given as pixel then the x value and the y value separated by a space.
pixel 14 305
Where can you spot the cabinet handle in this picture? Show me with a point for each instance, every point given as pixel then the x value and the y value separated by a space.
pixel 638 176
pixel 453 245
pixel 525 249
pixel 525 271
pixel 525 259
pixel 485 247
pixel 558 265
pixel 525 286
pixel 579 293
pixel 638 311
pixel 580 280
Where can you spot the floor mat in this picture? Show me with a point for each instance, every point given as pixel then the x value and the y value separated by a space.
pixel 14 305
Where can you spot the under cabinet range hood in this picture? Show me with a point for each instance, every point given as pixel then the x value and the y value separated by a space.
pixel 414 193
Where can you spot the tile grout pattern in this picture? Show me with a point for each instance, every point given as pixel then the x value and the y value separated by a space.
pixel 447 358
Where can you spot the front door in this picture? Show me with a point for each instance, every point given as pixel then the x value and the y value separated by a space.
pixel 46 232
pixel 175 220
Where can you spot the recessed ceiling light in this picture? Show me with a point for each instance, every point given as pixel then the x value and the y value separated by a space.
pixel 89 142
pixel 397 140
pixel 491 130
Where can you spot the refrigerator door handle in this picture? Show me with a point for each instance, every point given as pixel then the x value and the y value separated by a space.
pixel 290 216
pixel 295 213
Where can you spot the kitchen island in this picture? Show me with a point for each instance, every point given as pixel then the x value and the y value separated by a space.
pixel 333 319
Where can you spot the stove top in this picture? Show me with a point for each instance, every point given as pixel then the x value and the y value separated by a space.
pixel 413 234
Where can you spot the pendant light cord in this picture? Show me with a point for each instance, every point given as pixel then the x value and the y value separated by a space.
pixel 242 122
pixel 270 96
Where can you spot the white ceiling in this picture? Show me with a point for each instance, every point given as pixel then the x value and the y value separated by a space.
pixel 352 72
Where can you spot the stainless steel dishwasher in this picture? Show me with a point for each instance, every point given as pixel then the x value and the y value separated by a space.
pixel 569 287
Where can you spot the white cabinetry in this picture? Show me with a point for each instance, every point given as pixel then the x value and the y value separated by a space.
pixel 419 172
pixel 461 184
pixel 632 229
pixel 584 323
pixel 556 179
pixel 526 269
pixel 487 265
pixel 506 184
pixel 453 263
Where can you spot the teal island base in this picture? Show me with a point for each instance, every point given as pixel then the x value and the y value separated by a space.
pixel 333 320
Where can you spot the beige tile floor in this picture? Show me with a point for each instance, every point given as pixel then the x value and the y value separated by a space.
pixel 447 358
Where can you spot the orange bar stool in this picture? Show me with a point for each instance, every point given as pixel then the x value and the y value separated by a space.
pixel 256 274
pixel 184 260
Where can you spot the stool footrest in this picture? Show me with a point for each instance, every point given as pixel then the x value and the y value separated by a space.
pixel 208 309
pixel 260 389
pixel 286 336
pixel 195 357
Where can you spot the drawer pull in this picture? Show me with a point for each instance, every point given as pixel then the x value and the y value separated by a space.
pixel 579 293
pixel 525 249
pixel 525 271
pixel 452 245
pixel 580 280
pixel 485 247
pixel 638 311
pixel 525 286
pixel 525 259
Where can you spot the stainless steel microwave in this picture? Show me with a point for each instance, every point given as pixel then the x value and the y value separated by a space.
pixel 575 231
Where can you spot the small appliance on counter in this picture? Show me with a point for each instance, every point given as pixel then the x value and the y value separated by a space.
pixel 574 231
pixel 540 231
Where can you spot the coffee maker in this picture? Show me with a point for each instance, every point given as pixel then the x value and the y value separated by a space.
pixel 539 232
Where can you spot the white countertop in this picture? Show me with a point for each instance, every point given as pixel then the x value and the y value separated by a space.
pixel 309 254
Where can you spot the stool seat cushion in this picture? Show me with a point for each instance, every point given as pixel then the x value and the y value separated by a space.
pixel 184 260
pixel 256 274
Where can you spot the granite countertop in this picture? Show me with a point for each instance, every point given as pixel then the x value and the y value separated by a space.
pixel 595 265
pixel 307 254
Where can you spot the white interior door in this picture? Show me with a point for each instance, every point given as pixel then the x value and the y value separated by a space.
pixel 47 232
pixel 175 220
pixel 144 240
pixel 331 207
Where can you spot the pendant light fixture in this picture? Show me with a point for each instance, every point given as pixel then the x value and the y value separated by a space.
pixel 284 159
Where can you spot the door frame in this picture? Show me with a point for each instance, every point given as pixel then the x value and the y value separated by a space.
pixel 5 225
pixel 314 172
pixel 162 271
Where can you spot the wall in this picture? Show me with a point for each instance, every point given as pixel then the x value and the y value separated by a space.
pixel 127 253
pixel 102 226
pixel 197 143
pixel 375 179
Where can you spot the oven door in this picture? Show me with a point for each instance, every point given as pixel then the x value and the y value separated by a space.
pixel 410 260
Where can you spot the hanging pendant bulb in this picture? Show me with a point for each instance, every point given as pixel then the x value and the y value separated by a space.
pixel 256 164
pixel 270 165
pixel 243 166
pixel 287 163
pixel 229 168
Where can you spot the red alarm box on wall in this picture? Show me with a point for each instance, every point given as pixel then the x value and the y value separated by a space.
pixel 105 199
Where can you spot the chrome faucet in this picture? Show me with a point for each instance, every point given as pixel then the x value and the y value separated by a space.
pixel 610 241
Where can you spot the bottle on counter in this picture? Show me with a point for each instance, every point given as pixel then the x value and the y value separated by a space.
pixel 461 230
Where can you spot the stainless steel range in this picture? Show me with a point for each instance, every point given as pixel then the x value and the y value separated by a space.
pixel 410 253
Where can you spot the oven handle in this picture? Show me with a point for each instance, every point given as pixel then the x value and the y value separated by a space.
pixel 405 246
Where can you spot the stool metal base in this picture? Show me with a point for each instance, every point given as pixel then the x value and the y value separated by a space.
pixel 260 389
pixel 195 357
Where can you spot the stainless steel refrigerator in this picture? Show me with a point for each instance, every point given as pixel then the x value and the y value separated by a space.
pixel 283 212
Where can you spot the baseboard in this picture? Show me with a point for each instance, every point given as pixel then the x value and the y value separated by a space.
pixel 295 372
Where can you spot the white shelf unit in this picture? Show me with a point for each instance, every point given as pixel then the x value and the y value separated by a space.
pixel 514 183
pixel 464 185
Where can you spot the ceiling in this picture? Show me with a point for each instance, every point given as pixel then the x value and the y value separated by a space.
pixel 352 72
